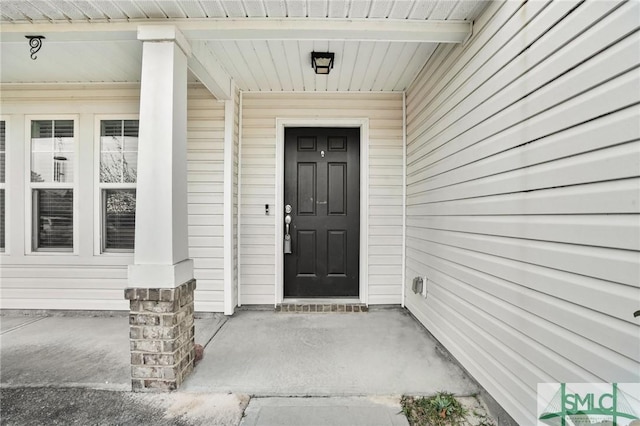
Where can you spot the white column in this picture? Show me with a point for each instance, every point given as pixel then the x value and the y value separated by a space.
pixel 161 244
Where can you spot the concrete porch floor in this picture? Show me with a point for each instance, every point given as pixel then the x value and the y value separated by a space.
pixel 356 365
pixel 382 352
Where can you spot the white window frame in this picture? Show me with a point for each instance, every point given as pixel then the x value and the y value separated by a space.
pixel 5 186
pixel 30 186
pixel 100 186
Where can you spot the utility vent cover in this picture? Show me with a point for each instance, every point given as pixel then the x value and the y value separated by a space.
pixel 417 285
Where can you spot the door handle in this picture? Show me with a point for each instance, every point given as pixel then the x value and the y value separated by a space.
pixel 287 236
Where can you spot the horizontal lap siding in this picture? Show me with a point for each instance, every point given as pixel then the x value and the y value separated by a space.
pixel 54 281
pixel 87 281
pixel 258 185
pixel 205 177
pixel 523 197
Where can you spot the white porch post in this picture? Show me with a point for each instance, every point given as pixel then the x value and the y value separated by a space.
pixel 161 246
pixel 161 284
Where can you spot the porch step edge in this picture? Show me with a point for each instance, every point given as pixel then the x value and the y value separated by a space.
pixel 322 308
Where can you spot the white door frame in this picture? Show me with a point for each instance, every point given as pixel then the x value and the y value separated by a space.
pixel 363 124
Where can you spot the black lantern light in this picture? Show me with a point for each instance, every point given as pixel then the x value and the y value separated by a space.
pixel 322 62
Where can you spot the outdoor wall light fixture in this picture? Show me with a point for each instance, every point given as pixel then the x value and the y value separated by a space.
pixel 322 62
pixel 35 43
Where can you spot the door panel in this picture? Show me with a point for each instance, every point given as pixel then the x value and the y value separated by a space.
pixel 322 185
pixel 337 191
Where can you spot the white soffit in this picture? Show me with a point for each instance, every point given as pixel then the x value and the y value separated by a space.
pixel 35 11
pixel 379 44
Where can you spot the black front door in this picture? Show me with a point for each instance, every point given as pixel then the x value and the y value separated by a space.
pixel 322 186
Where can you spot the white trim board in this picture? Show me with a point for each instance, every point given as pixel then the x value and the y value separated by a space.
pixel 431 31
pixel 6 185
pixel 229 108
pixel 363 124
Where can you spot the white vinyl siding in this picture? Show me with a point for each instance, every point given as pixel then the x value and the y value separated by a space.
pixel 89 280
pixel 258 185
pixel 523 197
pixel 205 177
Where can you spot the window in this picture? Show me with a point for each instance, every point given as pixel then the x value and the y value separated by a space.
pixel 52 184
pixel 2 184
pixel 118 169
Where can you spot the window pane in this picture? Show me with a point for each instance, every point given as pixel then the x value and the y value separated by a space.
pixel 118 151
pixel 2 219
pixel 110 143
pixel 53 215
pixel 130 167
pixel 41 145
pixel 131 143
pixel 63 128
pixel 41 129
pixel 63 144
pixel 52 151
pixel 111 128
pixel 41 167
pixel 111 167
pixel 131 128
pixel 119 219
pixel 63 167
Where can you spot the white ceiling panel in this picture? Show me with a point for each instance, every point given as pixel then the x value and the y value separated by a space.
pixel 26 10
pixel 150 9
pixel 468 11
pixel 88 10
pixel 380 9
pixel 112 11
pixel 234 8
pixel 275 8
pixel 359 9
pixel 255 9
pixel 68 9
pixel 45 10
pixel 317 8
pixel 441 10
pixel 401 9
pixel 422 9
pixel 276 65
pixel 129 8
pixel 212 9
pixel 172 9
pixel 338 8
pixel 296 9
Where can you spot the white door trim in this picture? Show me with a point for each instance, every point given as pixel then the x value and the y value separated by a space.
pixel 363 124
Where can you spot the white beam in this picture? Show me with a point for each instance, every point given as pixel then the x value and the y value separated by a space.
pixel 403 30
pixel 208 70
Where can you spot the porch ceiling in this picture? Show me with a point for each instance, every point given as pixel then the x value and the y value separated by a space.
pixel 373 54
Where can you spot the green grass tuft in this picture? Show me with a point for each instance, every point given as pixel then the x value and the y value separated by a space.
pixel 441 409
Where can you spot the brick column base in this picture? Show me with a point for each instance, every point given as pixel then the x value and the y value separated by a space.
pixel 161 333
